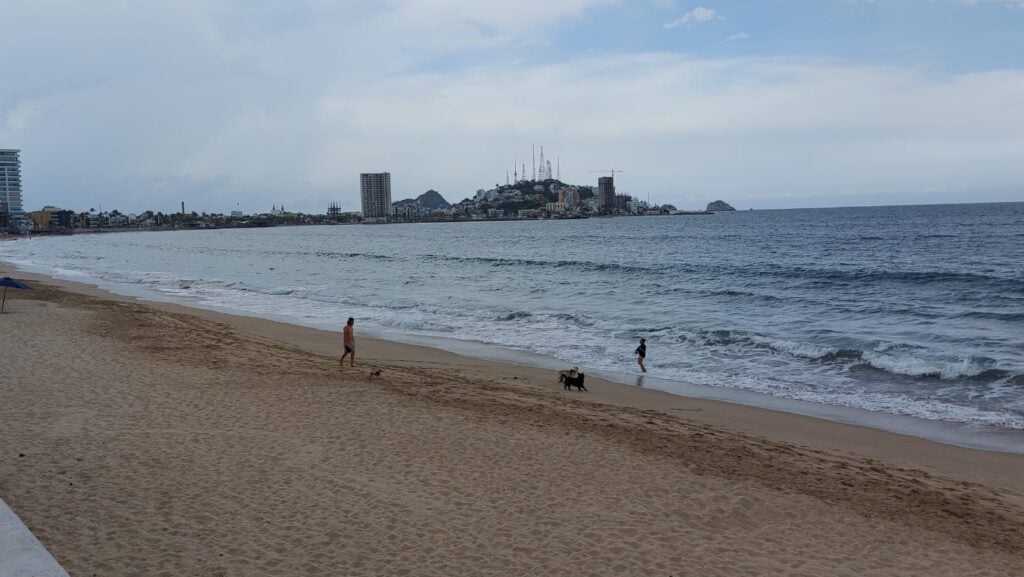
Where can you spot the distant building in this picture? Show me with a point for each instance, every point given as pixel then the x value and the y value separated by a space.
pixel 606 193
pixel 10 179
pixel 114 220
pixel 51 217
pixel 570 196
pixel 622 202
pixel 405 212
pixel 375 190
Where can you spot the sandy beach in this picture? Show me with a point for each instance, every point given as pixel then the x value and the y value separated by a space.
pixel 151 439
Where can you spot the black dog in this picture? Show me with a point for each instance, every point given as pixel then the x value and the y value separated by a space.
pixel 568 381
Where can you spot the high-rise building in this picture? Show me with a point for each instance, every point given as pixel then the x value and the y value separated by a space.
pixel 375 189
pixel 10 179
pixel 606 193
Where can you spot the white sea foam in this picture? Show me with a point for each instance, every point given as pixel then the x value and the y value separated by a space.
pixel 69 273
pixel 917 367
pixel 409 323
pixel 800 349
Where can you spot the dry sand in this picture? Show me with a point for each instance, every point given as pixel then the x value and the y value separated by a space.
pixel 141 439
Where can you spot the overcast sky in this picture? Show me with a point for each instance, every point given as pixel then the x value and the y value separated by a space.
pixel 225 104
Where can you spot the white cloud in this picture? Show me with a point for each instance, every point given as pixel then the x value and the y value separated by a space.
pixel 739 36
pixel 217 104
pixel 698 14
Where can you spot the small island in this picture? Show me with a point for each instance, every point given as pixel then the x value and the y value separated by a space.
pixel 719 206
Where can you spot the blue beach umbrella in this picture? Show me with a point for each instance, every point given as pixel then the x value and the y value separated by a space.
pixel 10 282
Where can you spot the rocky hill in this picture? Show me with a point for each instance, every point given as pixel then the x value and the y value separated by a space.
pixel 430 200
pixel 719 206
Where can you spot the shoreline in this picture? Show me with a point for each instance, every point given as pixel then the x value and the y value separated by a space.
pixel 961 435
pixel 151 438
pixel 818 432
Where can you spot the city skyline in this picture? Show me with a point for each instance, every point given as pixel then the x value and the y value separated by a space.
pixel 238 104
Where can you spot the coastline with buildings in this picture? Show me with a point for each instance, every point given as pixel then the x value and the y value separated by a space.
pixel 542 196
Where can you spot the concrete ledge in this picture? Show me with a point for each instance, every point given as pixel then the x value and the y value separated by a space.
pixel 21 554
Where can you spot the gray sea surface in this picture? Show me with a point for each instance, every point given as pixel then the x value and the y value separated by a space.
pixel 912 310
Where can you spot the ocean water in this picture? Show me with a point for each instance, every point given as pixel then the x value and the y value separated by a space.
pixel 914 311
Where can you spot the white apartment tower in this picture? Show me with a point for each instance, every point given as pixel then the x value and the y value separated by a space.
pixel 10 179
pixel 375 189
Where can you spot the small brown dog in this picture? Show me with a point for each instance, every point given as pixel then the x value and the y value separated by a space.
pixel 375 374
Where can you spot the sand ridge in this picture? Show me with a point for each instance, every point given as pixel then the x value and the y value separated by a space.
pixel 163 443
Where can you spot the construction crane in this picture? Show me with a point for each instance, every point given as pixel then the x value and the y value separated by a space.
pixel 613 171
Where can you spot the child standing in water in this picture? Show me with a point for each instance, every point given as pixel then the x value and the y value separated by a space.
pixel 641 354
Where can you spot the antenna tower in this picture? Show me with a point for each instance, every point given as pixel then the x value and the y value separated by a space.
pixel 534 155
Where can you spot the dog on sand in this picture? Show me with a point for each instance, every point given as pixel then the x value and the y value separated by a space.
pixel 570 379
pixel 375 374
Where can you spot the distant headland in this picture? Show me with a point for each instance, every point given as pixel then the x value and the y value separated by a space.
pixel 523 200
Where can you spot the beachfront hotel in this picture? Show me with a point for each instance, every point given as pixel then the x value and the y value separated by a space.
pixel 375 190
pixel 10 179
